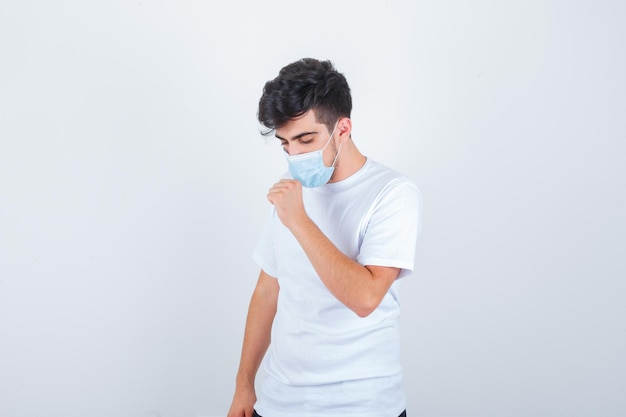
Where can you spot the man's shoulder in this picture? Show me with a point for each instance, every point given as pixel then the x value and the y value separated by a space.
pixel 386 176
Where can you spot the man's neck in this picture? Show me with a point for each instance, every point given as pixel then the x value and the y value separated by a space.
pixel 350 161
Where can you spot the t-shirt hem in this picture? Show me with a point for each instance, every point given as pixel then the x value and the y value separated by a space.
pixel 263 265
pixel 408 266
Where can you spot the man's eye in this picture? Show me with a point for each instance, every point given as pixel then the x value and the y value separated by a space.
pixel 304 142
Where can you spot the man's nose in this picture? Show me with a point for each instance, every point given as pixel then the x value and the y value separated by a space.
pixel 294 148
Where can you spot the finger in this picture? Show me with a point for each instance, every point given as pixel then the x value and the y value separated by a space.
pixel 289 183
pixel 276 190
pixel 283 184
pixel 273 197
pixel 276 187
pixel 280 188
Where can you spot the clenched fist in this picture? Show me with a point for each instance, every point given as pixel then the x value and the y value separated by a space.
pixel 286 196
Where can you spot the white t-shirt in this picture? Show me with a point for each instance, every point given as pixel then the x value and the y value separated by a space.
pixel 324 360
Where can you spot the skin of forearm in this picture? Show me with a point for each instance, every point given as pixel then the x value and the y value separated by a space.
pixel 355 285
pixel 257 333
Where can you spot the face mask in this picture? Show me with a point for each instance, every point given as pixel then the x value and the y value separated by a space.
pixel 309 168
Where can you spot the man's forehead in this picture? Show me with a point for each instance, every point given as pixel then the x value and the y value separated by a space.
pixel 301 126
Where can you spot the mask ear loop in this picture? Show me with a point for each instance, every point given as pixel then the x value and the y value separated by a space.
pixel 336 156
pixel 325 146
pixel 331 136
pixel 339 148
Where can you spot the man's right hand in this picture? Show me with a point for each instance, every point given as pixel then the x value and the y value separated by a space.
pixel 243 403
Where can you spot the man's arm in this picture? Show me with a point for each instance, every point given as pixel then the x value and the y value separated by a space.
pixel 255 343
pixel 360 288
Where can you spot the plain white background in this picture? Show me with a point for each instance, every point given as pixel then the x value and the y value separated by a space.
pixel 133 181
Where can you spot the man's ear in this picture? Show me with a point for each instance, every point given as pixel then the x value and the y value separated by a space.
pixel 344 127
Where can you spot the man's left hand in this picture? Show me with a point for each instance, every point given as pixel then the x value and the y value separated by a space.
pixel 286 196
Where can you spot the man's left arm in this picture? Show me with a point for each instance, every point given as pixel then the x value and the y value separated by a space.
pixel 360 288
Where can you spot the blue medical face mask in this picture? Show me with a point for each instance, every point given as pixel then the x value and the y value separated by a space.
pixel 309 168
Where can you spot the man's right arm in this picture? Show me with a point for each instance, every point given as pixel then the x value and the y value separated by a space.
pixel 256 340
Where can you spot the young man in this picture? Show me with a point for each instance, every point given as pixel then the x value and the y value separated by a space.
pixel 342 230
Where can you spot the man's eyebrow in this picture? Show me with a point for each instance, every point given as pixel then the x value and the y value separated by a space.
pixel 298 136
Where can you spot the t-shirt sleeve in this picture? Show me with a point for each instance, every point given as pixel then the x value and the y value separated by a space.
pixel 264 254
pixel 395 221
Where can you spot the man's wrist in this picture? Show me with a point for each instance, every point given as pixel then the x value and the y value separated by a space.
pixel 303 226
pixel 245 381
